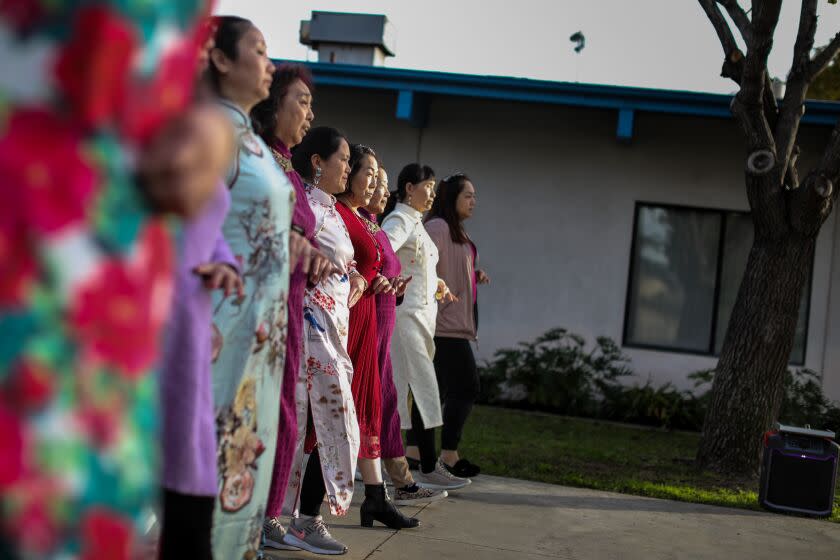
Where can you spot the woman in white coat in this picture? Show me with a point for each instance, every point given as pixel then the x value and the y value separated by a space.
pixel 412 345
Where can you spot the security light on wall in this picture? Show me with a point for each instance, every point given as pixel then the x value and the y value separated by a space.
pixel 579 40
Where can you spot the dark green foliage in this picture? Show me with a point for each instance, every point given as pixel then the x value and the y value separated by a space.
pixel 557 373
pixel 803 404
pixel 826 86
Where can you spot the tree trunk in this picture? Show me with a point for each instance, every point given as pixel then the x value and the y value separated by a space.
pixel 755 354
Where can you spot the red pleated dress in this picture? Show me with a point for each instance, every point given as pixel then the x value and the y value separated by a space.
pixel 362 343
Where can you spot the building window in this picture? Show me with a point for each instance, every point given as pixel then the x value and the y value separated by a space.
pixel 685 271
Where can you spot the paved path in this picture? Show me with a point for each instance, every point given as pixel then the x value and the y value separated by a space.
pixel 498 519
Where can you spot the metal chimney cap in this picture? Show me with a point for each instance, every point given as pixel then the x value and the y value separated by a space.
pixel 348 29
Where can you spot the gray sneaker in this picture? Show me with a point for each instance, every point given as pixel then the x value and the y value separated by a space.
pixel 440 479
pixel 274 533
pixel 403 497
pixel 312 535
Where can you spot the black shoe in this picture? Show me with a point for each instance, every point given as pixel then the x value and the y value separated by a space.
pixel 378 506
pixel 413 464
pixel 463 469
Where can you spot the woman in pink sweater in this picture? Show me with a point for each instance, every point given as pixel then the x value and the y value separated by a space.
pixel 457 320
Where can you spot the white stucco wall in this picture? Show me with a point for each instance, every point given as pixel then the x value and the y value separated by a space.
pixel 556 197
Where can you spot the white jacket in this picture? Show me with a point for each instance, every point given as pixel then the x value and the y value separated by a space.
pixel 413 346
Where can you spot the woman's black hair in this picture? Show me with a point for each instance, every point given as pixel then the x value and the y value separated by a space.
pixel 445 206
pixel 357 153
pixel 321 140
pixel 413 173
pixel 264 113
pixel 229 30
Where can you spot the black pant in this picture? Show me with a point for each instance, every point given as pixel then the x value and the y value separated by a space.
pixel 457 377
pixel 312 489
pixel 423 439
pixel 187 524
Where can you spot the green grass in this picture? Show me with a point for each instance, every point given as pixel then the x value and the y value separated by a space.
pixel 599 455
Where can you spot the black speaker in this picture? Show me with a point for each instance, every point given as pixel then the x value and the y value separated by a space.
pixel 798 471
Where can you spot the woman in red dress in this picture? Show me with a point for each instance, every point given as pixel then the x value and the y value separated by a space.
pixel 362 338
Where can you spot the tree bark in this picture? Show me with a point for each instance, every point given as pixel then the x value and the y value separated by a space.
pixel 747 389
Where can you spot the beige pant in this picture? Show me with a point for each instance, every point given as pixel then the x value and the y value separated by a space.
pixel 397 469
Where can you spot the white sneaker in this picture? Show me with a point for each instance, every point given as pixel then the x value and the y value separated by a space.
pixel 274 533
pixel 440 479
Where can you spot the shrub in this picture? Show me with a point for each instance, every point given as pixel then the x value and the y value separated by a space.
pixel 803 403
pixel 557 373
pixel 662 406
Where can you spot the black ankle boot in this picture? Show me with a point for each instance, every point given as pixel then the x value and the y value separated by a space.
pixel 378 506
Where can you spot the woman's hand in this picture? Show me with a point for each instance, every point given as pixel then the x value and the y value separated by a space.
pixel 443 294
pixel 181 168
pixel 400 284
pixel 381 285
pixel 221 276
pixel 358 285
pixel 321 267
pixel 481 277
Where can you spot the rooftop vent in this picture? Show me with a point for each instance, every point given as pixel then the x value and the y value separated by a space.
pixel 341 38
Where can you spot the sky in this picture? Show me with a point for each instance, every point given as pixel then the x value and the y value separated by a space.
pixel 666 44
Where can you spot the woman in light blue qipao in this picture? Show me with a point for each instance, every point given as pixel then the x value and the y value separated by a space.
pixel 250 330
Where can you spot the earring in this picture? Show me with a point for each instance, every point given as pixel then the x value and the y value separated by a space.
pixel 408 199
pixel 317 176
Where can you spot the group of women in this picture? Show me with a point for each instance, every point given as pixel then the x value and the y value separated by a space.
pixel 314 315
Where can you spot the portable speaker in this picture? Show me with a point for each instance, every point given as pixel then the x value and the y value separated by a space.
pixel 798 471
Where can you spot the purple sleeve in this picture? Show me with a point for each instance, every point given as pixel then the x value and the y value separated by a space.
pixel 223 254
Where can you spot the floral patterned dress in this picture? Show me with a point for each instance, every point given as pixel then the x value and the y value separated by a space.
pixel 248 371
pixel 85 272
pixel 324 383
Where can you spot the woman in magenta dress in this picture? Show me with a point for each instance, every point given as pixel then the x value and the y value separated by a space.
pixel 282 121
pixel 362 341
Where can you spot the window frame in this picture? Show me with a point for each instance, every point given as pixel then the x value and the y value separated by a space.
pixel 710 351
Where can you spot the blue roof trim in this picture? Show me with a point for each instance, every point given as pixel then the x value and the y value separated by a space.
pixel 540 91
pixel 624 130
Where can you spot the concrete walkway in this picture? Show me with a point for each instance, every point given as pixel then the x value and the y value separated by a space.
pixel 499 518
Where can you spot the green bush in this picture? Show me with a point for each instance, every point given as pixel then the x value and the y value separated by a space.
pixel 557 373
pixel 662 406
pixel 803 403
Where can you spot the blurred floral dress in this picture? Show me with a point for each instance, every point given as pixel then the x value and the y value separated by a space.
pixel 85 271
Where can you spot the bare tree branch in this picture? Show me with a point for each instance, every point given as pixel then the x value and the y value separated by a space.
pixel 739 16
pixel 824 57
pixel 733 57
pixel 733 65
pixel 812 204
pixel 793 105
pixel 748 103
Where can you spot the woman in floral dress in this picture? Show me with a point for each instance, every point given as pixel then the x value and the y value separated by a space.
pixel 248 371
pixel 327 424
pixel 86 269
